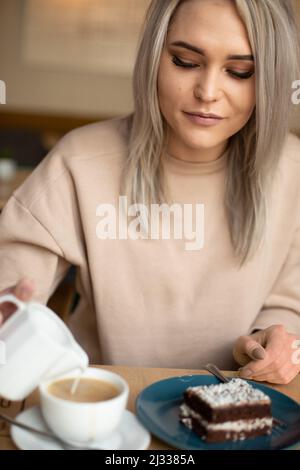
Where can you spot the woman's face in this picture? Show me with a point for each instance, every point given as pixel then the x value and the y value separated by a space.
pixel 217 78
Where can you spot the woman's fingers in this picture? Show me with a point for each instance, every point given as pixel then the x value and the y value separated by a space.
pixel 277 367
pixel 24 291
pixel 283 375
pixel 247 348
pixel 282 370
pixel 253 349
pixel 273 349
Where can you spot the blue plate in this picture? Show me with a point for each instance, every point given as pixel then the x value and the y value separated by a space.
pixel 157 407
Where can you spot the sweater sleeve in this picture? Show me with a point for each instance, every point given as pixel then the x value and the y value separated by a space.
pixel 282 306
pixel 28 249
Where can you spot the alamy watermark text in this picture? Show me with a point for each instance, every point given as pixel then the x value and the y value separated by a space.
pixel 161 221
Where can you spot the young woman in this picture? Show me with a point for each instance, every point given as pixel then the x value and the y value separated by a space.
pixel 209 134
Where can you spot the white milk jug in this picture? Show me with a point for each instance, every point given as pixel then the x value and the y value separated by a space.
pixel 37 346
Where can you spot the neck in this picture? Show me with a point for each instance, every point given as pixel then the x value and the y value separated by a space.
pixel 203 155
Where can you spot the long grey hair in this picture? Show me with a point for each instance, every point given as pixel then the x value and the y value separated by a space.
pixel 255 150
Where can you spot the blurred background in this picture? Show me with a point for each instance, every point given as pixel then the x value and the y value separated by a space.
pixel 65 63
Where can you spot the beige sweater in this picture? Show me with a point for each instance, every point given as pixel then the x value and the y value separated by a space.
pixel 151 302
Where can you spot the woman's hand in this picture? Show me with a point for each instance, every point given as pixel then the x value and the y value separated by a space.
pixel 269 355
pixel 24 291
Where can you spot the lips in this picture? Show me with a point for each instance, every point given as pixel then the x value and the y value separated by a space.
pixel 204 120
pixel 205 115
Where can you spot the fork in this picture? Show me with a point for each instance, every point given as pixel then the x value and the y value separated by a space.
pixel 25 427
pixel 213 369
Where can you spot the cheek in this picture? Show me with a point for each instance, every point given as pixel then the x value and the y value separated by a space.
pixel 169 90
pixel 171 95
pixel 169 87
pixel 245 101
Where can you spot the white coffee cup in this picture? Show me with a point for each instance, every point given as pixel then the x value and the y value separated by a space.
pixel 84 423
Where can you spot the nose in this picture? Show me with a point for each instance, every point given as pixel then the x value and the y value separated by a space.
pixel 208 86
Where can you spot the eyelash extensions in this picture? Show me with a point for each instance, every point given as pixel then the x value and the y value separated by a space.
pixel 242 76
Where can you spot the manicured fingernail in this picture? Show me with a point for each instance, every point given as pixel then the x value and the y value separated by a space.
pixel 258 353
pixel 246 372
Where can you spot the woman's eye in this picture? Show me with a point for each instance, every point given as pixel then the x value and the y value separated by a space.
pixel 188 65
pixel 180 63
pixel 241 75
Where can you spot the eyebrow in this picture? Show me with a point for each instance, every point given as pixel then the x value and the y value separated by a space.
pixel 192 48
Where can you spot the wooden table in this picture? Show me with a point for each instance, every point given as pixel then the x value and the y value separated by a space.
pixel 138 378
pixel 7 188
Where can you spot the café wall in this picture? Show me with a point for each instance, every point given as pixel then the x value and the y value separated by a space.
pixel 30 88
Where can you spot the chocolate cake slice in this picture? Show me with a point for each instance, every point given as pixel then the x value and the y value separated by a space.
pixel 227 411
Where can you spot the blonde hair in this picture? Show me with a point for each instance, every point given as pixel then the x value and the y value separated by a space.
pixel 255 150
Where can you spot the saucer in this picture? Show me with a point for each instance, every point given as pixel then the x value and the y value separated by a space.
pixel 130 435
